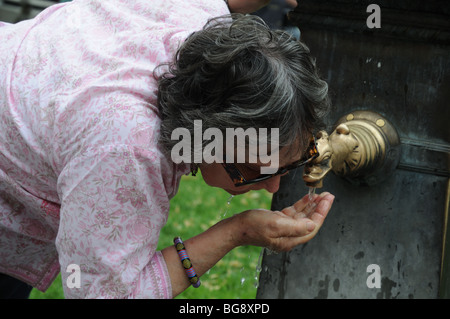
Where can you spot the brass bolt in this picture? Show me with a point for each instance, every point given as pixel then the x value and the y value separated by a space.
pixel 380 122
pixel 350 117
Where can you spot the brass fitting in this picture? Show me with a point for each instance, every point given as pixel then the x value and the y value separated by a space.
pixel 364 148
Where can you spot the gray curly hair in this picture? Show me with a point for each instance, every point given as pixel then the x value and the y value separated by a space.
pixel 237 72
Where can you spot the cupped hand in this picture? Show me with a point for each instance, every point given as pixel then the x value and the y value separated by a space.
pixel 285 229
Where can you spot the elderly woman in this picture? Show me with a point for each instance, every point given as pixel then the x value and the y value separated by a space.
pixel 90 93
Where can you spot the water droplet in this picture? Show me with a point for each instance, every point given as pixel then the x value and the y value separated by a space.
pixel 228 206
pixel 312 191
pixel 311 204
pixel 258 268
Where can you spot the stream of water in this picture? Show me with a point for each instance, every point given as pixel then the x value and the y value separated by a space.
pixel 307 211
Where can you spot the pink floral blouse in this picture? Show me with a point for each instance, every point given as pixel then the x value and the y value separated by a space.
pixel 82 179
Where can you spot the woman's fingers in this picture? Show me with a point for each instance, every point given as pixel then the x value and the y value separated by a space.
pixel 306 226
pixel 283 230
pixel 302 203
pixel 291 227
pixel 304 207
pixel 289 233
pixel 318 215
pixel 324 204
pixel 298 206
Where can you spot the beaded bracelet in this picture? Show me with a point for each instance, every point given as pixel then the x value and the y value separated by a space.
pixel 186 262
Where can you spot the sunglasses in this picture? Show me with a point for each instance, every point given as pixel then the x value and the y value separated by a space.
pixel 244 176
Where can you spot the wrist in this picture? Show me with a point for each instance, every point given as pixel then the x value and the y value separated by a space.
pixel 237 230
pixel 230 230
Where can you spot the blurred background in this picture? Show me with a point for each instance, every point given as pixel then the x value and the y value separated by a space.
pixel 13 11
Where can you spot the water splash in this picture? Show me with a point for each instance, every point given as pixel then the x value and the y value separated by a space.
pixel 256 273
pixel 258 268
pixel 228 206
pixel 312 191
pixel 307 210
pixel 311 204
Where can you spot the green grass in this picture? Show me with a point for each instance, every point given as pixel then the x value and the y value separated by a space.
pixel 194 209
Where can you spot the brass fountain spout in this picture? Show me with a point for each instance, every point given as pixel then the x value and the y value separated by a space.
pixel 364 148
